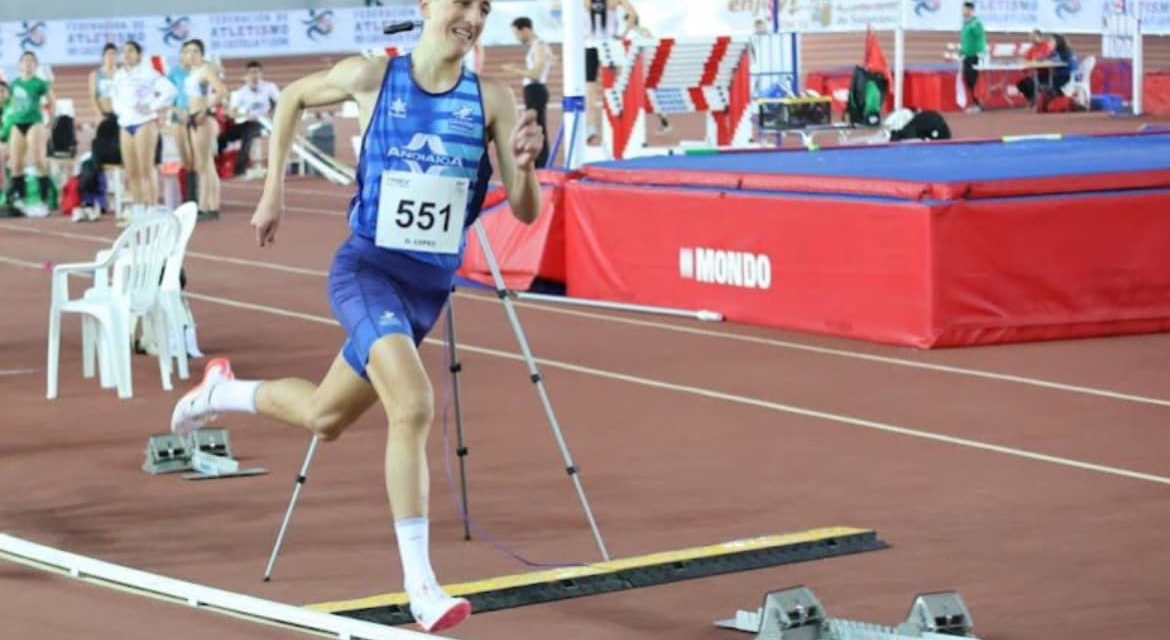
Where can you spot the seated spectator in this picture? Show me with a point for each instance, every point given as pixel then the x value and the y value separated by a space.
pixel 1047 47
pixel 252 101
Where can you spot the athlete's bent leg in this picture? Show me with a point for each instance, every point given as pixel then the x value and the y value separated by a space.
pixel 326 409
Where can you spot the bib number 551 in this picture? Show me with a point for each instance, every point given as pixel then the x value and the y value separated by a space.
pixel 422 215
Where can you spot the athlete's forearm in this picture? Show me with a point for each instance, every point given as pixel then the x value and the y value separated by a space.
pixel 524 195
pixel 284 121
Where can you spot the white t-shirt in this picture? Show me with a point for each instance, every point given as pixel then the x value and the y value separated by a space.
pixel 139 93
pixel 254 102
pixel 530 60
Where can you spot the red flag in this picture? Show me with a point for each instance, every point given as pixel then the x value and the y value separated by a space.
pixel 875 59
pixel 159 63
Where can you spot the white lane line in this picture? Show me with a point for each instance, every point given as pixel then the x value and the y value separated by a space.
pixel 707 393
pixel 728 397
pixel 770 342
pixel 338 213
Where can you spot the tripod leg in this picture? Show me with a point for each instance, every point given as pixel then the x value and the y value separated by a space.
pixel 454 367
pixel 292 503
pixel 534 375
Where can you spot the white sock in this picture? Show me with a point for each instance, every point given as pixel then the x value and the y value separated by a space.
pixel 234 395
pixel 413 546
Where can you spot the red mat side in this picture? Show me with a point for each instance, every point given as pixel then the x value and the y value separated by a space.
pixel 1047 268
pixel 842 267
pixel 881 187
pixel 524 251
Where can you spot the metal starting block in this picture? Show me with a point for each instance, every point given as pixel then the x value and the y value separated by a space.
pixel 207 453
pixel 797 614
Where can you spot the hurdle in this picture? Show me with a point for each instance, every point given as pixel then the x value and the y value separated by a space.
pixel 672 76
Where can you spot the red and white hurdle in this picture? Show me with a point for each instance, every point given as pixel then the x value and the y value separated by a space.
pixel 672 76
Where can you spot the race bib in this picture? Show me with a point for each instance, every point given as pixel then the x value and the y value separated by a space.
pixel 421 212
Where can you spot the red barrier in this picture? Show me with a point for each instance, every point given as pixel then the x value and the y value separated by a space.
pixel 920 274
pixel 841 266
pixel 1043 268
pixel 882 187
pixel 524 252
pixel 1156 93
pixel 925 88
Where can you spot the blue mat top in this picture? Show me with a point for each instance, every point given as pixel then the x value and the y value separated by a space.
pixel 935 162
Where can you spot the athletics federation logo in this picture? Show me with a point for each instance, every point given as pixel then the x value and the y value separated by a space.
pixel 926 6
pixel 1067 8
pixel 175 30
pixel 319 24
pixel 428 148
pixel 32 35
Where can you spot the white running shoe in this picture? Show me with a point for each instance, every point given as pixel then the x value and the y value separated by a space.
pixel 194 409
pixel 435 611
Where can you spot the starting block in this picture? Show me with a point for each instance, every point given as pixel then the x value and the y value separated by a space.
pixel 207 453
pixel 797 614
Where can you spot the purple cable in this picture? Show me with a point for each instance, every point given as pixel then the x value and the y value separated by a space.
pixel 461 508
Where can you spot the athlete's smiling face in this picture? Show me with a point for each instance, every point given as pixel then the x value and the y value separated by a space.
pixel 455 23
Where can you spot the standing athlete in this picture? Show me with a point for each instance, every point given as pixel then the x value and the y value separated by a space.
pixel 28 135
pixel 140 94
pixel 422 176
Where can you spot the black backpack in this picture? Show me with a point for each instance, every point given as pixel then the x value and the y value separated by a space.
pixel 62 138
pixel 925 125
pixel 867 94
pixel 106 147
pixel 91 183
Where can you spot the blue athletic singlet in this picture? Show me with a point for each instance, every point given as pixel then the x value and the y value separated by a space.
pixel 178 77
pixel 422 175
pixel 415 132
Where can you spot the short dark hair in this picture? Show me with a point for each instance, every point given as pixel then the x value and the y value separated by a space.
pixel 134 45
pixel 28 53
pixel 253 64
pixel 969 5
pixel 523 22
pixel 198 44
pixel 110 46
pixel 3 85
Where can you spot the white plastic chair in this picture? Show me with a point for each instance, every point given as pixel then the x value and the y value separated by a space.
pixel 170 293
pixel 136 261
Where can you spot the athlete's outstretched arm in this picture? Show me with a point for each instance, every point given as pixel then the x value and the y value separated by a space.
pixel 518 142
pixel 327 87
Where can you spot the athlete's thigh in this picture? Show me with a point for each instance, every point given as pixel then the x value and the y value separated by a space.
pixel 343 396
pixel 145 143
pixel 38 138
pixel 182 140
pixel 204 138
pixel 129 155
pixel 18 143
pixel 398 375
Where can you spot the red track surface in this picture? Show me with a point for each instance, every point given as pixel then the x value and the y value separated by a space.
pixel 686 435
